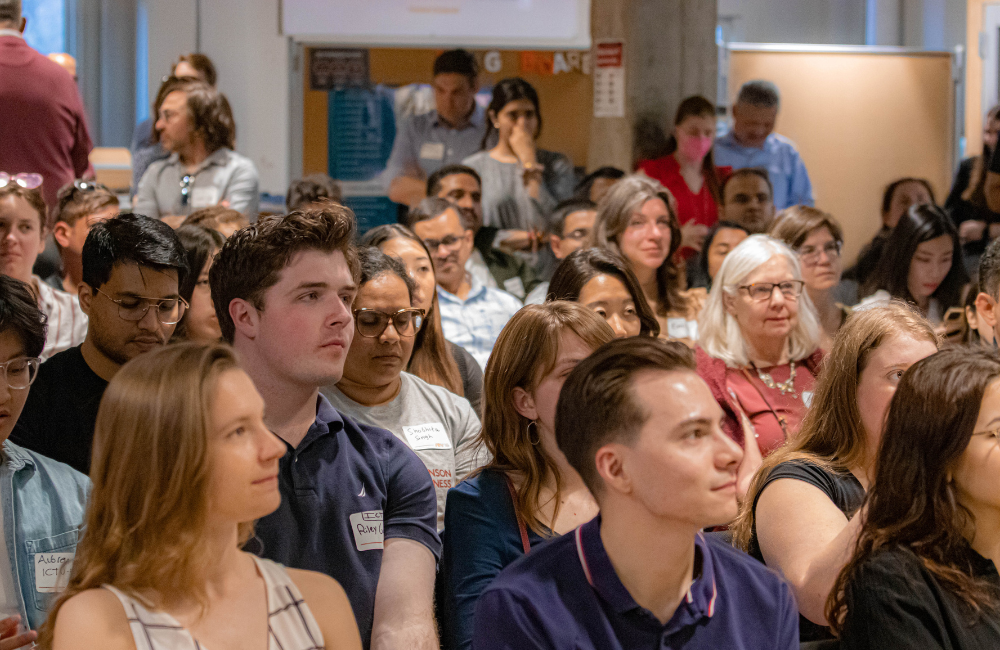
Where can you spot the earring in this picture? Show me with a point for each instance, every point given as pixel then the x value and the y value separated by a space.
pixel 528 429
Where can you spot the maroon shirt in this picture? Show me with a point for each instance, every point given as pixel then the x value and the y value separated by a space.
pixel 43 127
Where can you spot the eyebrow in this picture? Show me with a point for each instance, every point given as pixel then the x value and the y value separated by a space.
pixel 993 421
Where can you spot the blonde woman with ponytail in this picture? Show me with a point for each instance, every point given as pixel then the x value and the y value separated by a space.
pixel 182 466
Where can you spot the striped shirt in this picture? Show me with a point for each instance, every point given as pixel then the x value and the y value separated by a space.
pixel 290 623
pixel 67 324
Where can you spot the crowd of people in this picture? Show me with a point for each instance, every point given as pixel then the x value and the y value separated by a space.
pixel 629 410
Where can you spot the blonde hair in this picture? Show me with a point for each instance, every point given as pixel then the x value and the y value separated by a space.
pixel 524 353
pixel 832 435
pixel 151 469
pixel 718 332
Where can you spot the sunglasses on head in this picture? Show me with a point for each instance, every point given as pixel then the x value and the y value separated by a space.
pixel 27 181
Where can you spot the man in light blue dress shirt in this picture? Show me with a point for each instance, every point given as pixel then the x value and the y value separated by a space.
pixel 751 143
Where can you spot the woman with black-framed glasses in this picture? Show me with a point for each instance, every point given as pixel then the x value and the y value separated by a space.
pixel 439 426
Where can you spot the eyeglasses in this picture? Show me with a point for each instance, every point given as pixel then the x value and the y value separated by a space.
pixel 992 432
pixel 20 373
pixel 580 234
pixel 27 181
pixel 810 254
pixel 761 291
pixel 169 311
pixel 449 242
pixel 186 188
pixel 372 322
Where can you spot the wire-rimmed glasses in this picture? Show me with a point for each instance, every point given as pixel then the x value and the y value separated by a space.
pixel 169 311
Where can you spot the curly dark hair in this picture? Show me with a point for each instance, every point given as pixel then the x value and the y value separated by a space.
pixel 19 312
pixel 210 114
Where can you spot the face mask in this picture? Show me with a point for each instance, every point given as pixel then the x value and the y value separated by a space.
pixel 695 147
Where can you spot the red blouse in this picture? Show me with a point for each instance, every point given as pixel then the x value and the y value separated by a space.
pixel 700 207
pixel 751 394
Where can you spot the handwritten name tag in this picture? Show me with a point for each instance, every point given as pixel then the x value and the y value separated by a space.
pixel 52 571
pixel 204 197
pixel 427 436
pixel 432 150
pixel 368 532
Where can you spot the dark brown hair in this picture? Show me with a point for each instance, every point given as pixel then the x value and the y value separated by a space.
pixel 891 188
pixel 201 63
pixel 214 216
pixel 912 502
pixel 597 405
pixel 698 106
pixel 431 359
pixel 210 115
pixel 251 261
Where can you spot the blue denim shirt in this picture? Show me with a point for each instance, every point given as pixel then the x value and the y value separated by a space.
pixel 43 503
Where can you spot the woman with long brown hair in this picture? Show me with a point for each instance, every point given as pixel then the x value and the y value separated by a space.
pixel 528 492
pixel 799 514
pixel 924 571
pixel 966 203
pixel 435 359
pixel 182 466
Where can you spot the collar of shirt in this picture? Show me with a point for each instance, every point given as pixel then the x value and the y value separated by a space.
pixel 476 289
pixel 11 32
pixel 328 420
pixel 729 140
pixel 698 603
pixel 15 457
pixel 476 119
pixel 217 157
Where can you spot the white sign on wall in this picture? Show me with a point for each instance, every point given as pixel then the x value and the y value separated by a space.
pixel 609 79
pixel 537 24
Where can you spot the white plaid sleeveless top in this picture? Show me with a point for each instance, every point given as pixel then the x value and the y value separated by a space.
pixel 290 624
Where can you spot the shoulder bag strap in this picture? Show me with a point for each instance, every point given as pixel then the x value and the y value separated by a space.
pixel 525 543
pixel 779 417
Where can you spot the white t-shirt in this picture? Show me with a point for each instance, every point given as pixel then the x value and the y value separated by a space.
pixel 440 427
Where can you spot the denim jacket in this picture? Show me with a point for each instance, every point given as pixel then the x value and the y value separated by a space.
pixel 43 503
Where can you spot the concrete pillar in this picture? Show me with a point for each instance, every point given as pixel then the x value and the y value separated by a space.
pixel 670 54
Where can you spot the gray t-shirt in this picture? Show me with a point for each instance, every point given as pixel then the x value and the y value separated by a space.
pixel 439 426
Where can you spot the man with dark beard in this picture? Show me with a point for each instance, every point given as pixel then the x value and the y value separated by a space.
pixel 132 268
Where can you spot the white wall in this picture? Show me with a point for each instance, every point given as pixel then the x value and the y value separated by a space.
pixel 242 39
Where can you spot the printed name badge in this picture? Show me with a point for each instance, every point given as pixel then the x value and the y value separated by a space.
pixel 368 532
pixel 204 197
pixel 432 150
pixel 427 436
pixel 52 571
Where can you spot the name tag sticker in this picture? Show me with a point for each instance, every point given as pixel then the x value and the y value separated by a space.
pixel 432 150
pixel 368 532
pixel 52 571
pixel 807 398
pixel 427 436
pixel 204 197
pixel 679 328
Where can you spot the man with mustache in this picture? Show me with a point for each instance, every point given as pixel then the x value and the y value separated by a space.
pixel 132 268
pixel 472 313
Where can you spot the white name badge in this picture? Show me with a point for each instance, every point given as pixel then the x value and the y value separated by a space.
pixel 52 571
pixel 427 436
pixel 679 328
pixel 368 532
pixel 204 197
pixel 432 150
pixel 807 398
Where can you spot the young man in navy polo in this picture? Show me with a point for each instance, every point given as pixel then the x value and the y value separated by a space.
pixel 643 431
pixel 356 503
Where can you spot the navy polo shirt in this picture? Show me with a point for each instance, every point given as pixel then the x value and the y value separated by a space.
pixel 566 594
pixel 343 489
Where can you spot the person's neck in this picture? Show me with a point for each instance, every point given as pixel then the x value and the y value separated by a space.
pixel 985 539
pixel 654 559
pixel 765 353
pixel 367 395
pixel 827 310
pixel 223 572
pixel 72 273
pixel 461 289
pixel 100 363
pixel 503 152
pixel 194 154
pixel 923 304
pixel 290 408
pixel 744 143
pixel 687 165
pixel 460 123
pixel 647 280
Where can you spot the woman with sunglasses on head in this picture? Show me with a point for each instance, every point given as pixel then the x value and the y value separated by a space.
pixel 439 426
pixel 817 238
pixel 923 573
pixel 528 492
pixel 435 359
pixel 759 347
pixel 23 229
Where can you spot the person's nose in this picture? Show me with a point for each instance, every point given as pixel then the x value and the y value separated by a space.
pixel 777 299
pixel 728 454
pixel 5 390
pixel 617 326
pixel 442 251
pixel 149 321
pixel 390 334
pixel 271 447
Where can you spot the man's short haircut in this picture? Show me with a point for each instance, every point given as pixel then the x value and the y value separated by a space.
pixel 989 270
pixel 434 181
pixel 557 220
pixel 32 197
pixel 457 62
pixel 201 63
pixel 210 115
pixel 216 215
pixel 759 92
pixel 74 203
pixel 312 189
pixel 251 261
pixel 598 406
pixel 431 208
pixel 10 11
pixel 747 171
pixel 131 238
pixel 19 312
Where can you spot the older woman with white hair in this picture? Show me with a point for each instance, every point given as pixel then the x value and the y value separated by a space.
pixel 758 346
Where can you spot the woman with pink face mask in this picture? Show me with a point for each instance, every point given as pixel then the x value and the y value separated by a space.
pixel 689 172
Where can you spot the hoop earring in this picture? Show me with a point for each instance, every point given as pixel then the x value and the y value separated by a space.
pixel 528 430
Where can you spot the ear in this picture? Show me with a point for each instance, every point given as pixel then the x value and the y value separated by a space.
pixel 524 403
pixel 60 232
pixel 554 242
pixel 246 318
pixel 610 463
pixel 85 295
pixel 984 309
pixel 729 303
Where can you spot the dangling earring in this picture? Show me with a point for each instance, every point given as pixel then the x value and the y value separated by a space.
pixel 528 429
